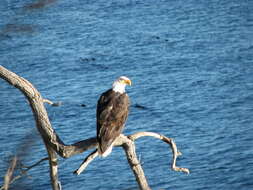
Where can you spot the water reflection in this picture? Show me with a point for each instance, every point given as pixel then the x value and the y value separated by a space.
pixel 9 28
pixel 39 4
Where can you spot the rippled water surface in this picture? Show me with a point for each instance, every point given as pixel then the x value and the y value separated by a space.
pixel 191 64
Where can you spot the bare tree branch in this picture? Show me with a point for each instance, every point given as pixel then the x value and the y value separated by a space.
pixel 24 169
pixel 53 162
pixel 48 101
pixel 55 145
pixel 134 163
pixel 52 103
pixel 27 168
pixel 167 140
pixel 127 142
pixel 9 173
pixel 86 162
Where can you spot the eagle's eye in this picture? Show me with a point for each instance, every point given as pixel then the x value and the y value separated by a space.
pixel 121 80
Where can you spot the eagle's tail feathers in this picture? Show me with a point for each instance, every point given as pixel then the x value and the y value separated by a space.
pixel 106 152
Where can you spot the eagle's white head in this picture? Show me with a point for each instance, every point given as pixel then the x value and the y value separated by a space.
pixel 119 85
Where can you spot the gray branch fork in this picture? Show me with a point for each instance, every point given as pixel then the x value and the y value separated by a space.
pixel 55 146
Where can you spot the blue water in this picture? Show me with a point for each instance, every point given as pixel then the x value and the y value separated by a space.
pixel 191 64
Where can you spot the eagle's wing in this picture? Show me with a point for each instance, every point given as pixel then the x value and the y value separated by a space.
pixel 112 112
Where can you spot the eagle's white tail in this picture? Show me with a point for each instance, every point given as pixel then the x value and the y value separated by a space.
pixel 106 153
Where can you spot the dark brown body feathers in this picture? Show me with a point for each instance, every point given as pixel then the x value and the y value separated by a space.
pixel 112 112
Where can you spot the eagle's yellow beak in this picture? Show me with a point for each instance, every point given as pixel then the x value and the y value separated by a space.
pixel 128 82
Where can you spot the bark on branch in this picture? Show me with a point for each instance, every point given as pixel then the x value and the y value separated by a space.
pixel 9 178
pixel 56 146
pixel 9 173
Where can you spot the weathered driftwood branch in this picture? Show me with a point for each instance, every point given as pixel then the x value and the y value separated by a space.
pixel 127 142
pixel 167 140
pixel 86 162
pixel 134 163
pixel 53 163
pixel 55 145
pixel 23 171
pixel 9 173
pixel 52 103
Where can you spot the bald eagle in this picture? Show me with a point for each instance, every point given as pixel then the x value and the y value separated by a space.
pixel 112 112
